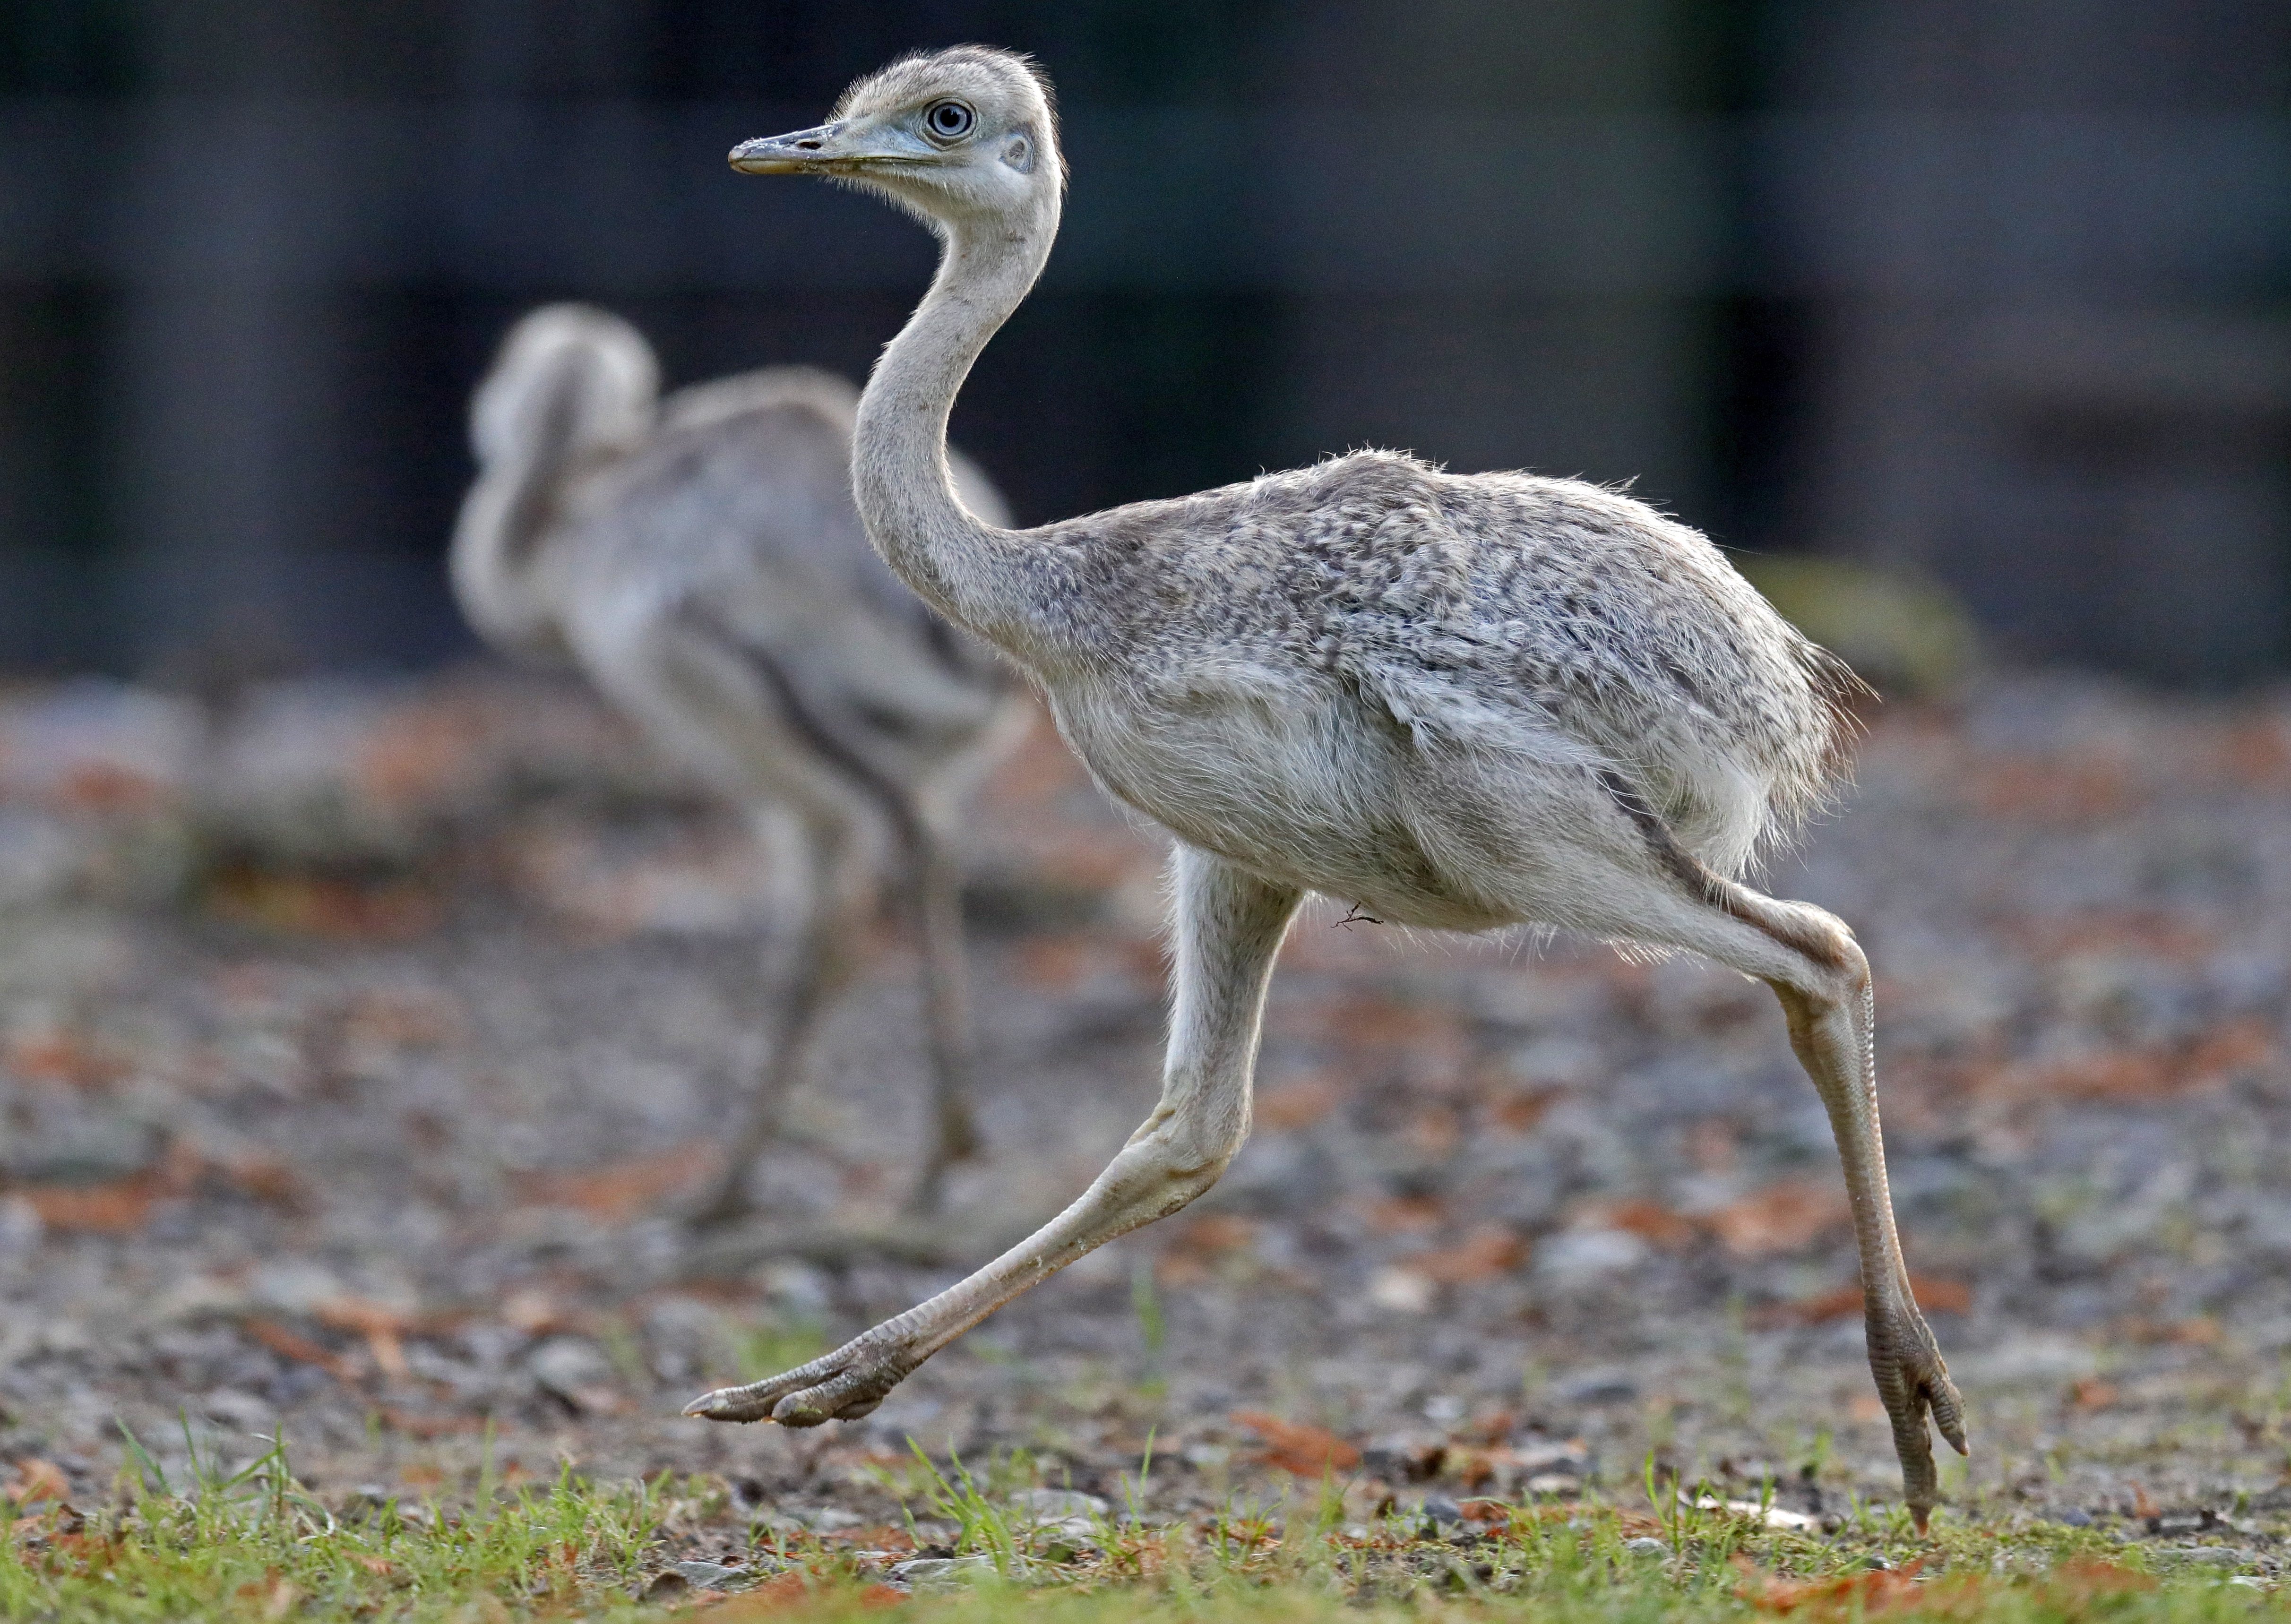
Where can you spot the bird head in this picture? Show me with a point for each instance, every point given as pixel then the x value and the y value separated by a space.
pixel 965 133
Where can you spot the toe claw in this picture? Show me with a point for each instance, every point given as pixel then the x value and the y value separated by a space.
pixel 1948 1412
pixel 729 1404
pixel 848 1383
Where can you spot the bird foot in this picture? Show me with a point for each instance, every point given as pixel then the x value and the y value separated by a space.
pixel 839 1387
pixel 1913 1382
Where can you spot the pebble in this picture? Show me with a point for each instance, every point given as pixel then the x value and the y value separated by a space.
pixel 707 1575
pixel 926 1574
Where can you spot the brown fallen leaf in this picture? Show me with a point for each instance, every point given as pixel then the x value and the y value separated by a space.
pixel 1489 1252
pixel 1655 1224
pixel 1782 1218
pixel 37 1480
pixel 2090 1578
pixel 1849 1596
pixel 1295 1446
pixel 1195 1249
pixel 1935 1294
pixel 2058 789
pixel 262 1176
pixel 413 1425
pixel 109 790
pixel 620 1191
pixel 271 1599
pixel 60 1054
pixel 1298 1104
pixel 1405 1214
pixel 321 906
pixel 293 1345
pixel 421 756
pixel 118 1207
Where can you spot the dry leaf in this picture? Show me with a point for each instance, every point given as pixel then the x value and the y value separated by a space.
pixel 37 1480
pixel 1488 1252
pixel 2056 790
pixel 2088 1579
pixel 292 1345
pixel 121 1207
pixel 1934 1294
pixel 426 1426
pixel 340 910
pixel 620 1191
pixel 1655 1224
pixel 1405 1214
pixel 1782 1218
pixel 67 1056
pixel 1294 1446
pixel 1848 1596
pixel 108 788
pixel 1298 1104
pixel 421 756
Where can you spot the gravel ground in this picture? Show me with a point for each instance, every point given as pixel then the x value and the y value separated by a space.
pixel 356 1041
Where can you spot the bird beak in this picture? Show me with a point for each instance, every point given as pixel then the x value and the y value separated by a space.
pixel 806 152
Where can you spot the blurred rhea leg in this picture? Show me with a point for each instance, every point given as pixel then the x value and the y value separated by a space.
pixel 820 853
pixel 1229 927
pixel 953 1131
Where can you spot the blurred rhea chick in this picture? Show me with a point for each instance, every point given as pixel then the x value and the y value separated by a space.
pixel 700 559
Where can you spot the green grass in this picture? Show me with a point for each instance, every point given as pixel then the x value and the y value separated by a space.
pixel 255 1544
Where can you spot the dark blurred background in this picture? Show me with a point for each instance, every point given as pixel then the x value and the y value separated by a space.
pixel 1993 292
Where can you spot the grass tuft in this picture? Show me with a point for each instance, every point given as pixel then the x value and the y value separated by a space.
pixel 247 1541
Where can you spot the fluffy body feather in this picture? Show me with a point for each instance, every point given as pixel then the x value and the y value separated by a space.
pixel 1346 647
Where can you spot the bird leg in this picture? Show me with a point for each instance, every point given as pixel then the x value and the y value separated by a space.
pixel 1832 1028
pixel 1229 927
pixel 946 1007
pixel 823 849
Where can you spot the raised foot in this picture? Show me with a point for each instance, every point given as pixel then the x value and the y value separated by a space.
pixel 839 1387
pixel 1913 1383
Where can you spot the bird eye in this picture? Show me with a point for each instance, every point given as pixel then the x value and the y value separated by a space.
pixel 949 121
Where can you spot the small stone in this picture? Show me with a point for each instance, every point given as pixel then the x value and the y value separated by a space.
pixel 2205 1556
pixel 2068 1516
pixel 924 1574
pixel 1876 1561
pixel 577 1371
pixel 1402 1291
pixel 1597 1386
pixel 1057 1504
pixel 707 1575
pixel 1646 1545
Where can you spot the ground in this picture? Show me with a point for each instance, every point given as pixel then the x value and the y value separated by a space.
pixel 358 1041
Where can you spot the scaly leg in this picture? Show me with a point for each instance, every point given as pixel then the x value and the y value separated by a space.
pixel 946 1009
pixel 1833 1029
pixel 1813 963
pixel 1229 927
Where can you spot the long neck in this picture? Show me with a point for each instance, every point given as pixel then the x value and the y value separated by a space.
pixel 906 496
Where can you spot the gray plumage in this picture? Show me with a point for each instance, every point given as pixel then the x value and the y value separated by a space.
pixel 699 558
pixel 1456 700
